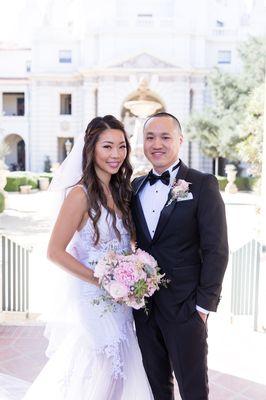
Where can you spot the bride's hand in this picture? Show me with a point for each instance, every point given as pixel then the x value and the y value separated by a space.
pixel 95 281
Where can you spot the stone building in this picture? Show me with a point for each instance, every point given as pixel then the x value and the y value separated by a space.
pixel 94 58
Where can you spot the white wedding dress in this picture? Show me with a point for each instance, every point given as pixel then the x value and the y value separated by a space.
pixel 93 353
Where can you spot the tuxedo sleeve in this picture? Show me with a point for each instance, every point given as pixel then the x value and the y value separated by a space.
pixel 213 243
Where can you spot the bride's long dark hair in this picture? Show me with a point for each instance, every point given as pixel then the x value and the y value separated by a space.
pixel 119 184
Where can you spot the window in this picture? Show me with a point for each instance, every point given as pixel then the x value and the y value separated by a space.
pixel 224 57
pixel 65 104
pixel 65 56
pixel 144 19
pixel 13 104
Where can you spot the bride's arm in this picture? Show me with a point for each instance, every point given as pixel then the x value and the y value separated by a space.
pixel 68 222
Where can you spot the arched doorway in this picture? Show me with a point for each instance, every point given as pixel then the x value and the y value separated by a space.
pixel 127 115
pixel 135 109
pixel 15 159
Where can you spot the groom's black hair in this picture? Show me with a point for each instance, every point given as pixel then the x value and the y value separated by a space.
pixel 164 114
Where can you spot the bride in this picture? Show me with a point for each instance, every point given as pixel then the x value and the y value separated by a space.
pixel 93 353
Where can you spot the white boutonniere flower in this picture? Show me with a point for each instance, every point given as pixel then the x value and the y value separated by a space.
pixel 179 189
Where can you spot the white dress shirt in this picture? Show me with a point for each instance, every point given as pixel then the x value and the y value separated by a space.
pixel 153 198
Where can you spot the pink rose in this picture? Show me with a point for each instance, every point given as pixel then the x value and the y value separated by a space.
pixel 125 273
pixel 136 305
pixel 146 258
pixel 182 185
pixel 151 287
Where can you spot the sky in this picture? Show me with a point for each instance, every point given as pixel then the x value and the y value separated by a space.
pixel 17 25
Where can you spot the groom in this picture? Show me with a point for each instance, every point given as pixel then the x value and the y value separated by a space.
pixel 180 219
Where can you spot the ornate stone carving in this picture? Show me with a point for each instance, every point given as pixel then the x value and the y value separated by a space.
pixel 144 60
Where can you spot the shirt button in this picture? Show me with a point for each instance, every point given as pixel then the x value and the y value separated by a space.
pixel 153 210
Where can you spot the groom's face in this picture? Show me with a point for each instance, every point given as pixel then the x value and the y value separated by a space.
pixel 162 141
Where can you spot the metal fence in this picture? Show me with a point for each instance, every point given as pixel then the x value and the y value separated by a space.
pixel 245 281
pixel 15 276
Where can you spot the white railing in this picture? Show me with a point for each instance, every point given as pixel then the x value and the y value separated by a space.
pixel 14 276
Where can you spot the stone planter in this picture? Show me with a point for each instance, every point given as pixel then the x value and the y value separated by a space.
pixel 231 187
pixel 25 189
pixel 43 183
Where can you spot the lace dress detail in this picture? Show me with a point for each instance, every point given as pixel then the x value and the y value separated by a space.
pixel 94 355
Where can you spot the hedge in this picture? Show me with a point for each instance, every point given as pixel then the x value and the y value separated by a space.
pixel 222 181
pixel 14 182
pixel 2 202
pixel 243 183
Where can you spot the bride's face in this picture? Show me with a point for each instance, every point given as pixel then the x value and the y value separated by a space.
pixel 110 152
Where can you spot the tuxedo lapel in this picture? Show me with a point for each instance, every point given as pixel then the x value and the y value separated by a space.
pixel 139 211
pixel 167 210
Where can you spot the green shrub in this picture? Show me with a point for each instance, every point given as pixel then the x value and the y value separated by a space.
pixel 33 181
pixel 2 202
pixel 14 182
pixel 246 183
pixel 243 183
pixel 222 181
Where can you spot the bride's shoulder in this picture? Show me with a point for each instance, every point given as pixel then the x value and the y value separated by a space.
pixel 77 194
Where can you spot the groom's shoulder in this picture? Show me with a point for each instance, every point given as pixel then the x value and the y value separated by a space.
pixel 195 173
pixel 200 177
pixel 137 181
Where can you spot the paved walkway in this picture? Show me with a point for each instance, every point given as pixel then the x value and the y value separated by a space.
pixel 236 354
pixel 22 354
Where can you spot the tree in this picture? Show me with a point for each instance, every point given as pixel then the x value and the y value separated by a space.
pixel 252 53
pixel 220 129
pixel 251 131
pixel 215 128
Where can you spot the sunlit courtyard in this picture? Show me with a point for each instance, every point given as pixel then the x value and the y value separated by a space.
pixel 236 351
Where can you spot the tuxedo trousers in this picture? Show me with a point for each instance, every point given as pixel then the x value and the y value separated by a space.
pixel 174 346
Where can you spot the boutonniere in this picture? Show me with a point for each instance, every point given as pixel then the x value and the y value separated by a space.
pixel 180 189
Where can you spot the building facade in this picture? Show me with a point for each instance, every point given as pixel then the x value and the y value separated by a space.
pixel 89 63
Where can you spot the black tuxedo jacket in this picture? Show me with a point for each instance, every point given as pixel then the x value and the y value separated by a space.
pixel 189 244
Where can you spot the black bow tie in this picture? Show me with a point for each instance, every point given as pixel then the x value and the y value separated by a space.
pixel 165 178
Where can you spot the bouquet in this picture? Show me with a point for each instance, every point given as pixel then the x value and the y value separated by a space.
pixel 128 278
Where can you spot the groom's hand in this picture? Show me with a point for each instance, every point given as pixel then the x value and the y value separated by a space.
pixel 203 316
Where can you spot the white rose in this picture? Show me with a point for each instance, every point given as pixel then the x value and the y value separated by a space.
pixel 100 270
pixel 117 290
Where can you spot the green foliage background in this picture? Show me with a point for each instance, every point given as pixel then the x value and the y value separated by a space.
pixel 233 126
